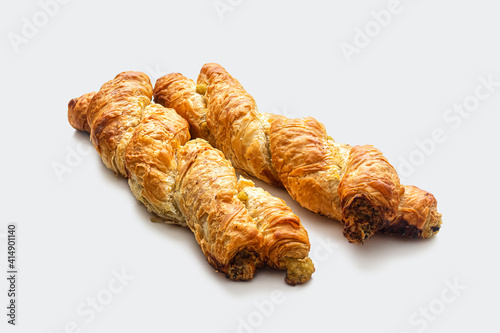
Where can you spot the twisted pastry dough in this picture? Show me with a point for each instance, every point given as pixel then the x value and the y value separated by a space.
pixel 238 227
pixel 355 185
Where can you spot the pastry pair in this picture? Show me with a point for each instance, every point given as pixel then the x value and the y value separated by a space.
pixel 238 226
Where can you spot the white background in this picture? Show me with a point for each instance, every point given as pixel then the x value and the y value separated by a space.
pixel 76 230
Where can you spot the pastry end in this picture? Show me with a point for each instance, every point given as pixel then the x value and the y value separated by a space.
pixel 298 271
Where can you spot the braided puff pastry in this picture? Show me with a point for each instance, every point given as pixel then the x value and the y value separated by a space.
pixel 189 183
pixel 355 185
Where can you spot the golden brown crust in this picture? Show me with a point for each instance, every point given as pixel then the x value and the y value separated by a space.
pixel 179 93
pixel 233 127
pixel 284 236
pixel 369 193
pixel 417 215
pixel 150 160
pixel 303 157
pixel 310 164
pixel 113 114
pixel 234 124
pixel 77 112
pixel 206 195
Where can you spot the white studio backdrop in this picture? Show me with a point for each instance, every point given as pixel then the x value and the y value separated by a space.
pixel 418 79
